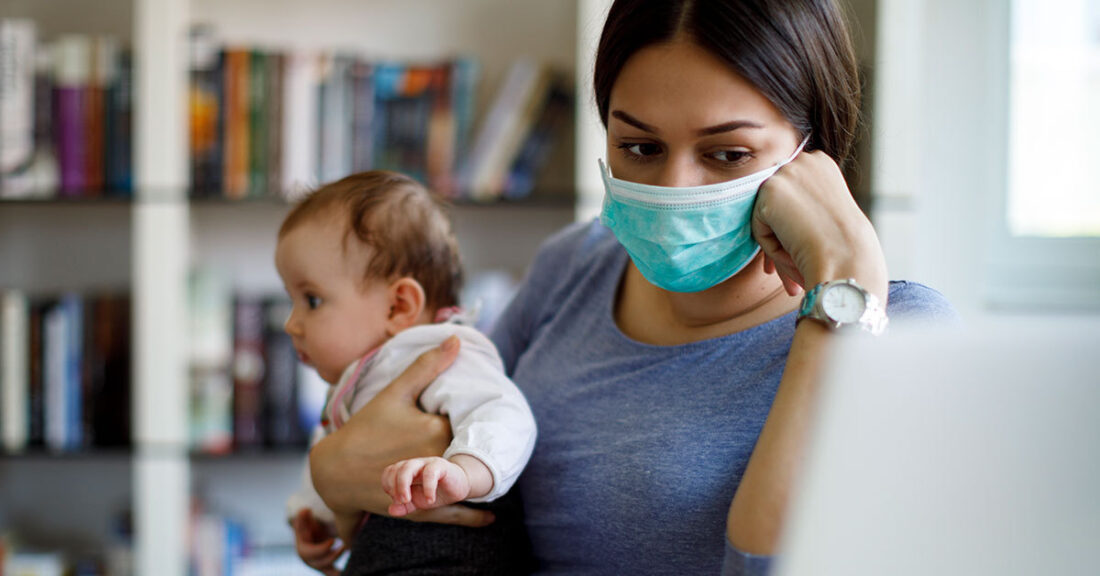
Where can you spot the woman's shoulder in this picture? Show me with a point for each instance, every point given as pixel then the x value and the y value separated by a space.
pixel 913 301
pixel 573 250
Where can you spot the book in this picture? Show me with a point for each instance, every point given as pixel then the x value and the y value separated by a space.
pixel 300 124
pixel 36 389
pixel 103 55
pixel 506 126
pixel 14 376
pixel 280 383
pixel 236 123
pixel 363 112
pixel 205 101
pixel 547 131
pixel 276 65
pixel 44 169
pixel 334 143
pixel 257 121
pixel 72 58
pixel 17 100
pixel 106 369
pixel 248 372
pixel 119 125
pixel 210 355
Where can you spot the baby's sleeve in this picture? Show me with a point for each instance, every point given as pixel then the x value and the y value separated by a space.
pixel 306 496
pixel 490 417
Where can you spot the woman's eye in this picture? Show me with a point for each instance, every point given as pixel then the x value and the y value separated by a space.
pixel 730 156
pixel 312 301
pixel 640 150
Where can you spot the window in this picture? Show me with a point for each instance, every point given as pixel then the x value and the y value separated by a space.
pixel 1054 119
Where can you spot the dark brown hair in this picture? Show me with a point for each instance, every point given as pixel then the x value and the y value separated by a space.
pixel 401 223
pixel 796 52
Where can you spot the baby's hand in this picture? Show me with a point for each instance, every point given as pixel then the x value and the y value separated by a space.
pixel 423 484
pixel 315 544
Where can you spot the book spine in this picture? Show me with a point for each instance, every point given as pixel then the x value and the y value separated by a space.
pixel 210 357
pixel 120 105
pixel 362 116
pixel 73 308
pixel 17 82
pixel 55 339
pixel 257 118
pixel 36 393
pixel 248 369
pixel 70 91
pixel 540 143
pixel 44 171
pixel 334 159
pixel 276 66
pixel 280 379
pixel 103 55
pixel 300 111
pixel 440 154
pixel 236 123
pixel 108 359
pixel 204 99
pixel 14 352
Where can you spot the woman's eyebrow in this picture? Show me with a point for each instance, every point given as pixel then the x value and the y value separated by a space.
pixel 729 127
pixel 634 122
pixel 708 131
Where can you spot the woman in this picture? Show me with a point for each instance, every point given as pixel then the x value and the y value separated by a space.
pixel 662 354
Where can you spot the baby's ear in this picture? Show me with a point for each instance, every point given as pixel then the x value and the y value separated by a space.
pixel 407 301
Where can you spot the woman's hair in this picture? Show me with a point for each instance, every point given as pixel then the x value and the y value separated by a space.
pixel 796 52
pixel 401 224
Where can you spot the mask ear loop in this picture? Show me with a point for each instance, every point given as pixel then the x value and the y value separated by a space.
pixel 797 151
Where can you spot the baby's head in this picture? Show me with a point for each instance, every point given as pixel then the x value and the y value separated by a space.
pixel 362 259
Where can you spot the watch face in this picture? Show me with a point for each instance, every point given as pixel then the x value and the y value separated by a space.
pixel 843 303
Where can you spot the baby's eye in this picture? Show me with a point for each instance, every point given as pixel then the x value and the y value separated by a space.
pixel 313 301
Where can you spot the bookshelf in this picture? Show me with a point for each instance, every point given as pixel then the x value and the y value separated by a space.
pixel 148 244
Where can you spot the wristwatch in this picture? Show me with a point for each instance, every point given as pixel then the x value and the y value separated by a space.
pixel 843 303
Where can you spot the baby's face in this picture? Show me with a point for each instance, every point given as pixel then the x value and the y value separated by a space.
pixel 336 319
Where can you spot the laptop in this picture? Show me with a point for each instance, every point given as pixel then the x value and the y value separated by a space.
pixel 969 451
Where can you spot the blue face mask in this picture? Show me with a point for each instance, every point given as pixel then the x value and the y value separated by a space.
pixel 685 239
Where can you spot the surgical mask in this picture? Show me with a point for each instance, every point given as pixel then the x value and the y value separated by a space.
pixel 686 239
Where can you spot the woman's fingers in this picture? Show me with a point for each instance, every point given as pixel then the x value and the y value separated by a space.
pixel 811 230
pixel 423 371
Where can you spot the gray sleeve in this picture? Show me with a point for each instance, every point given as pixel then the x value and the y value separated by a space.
pixel 738 563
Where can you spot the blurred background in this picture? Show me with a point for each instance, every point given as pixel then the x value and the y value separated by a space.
pixel 152 414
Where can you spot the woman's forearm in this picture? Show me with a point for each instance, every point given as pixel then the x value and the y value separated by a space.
pixel 759 507
pixel 347 473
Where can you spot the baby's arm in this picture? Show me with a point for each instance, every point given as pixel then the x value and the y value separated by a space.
pixel 426 483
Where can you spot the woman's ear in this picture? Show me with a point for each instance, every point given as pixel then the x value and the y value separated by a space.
pixel 407 301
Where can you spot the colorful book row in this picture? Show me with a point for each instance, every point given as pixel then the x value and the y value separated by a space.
pixel 271 123
pixel 66 114
pixel 248 390
pixel 64 371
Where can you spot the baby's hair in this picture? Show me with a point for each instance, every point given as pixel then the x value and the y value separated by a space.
pixel 400 222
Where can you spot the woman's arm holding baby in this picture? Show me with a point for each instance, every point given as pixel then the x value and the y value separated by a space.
pixel 347 465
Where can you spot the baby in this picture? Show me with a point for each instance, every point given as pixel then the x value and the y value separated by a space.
pixel 372 268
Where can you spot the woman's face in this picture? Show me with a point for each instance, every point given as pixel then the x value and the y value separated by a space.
pixel 679 116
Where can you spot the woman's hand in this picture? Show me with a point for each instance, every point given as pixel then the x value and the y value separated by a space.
pixel 347 465
pixel 315 544
pixel 811 230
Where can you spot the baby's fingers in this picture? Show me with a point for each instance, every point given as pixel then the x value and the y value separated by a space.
pixel 398 510
pixel 429 478
pixel 406 473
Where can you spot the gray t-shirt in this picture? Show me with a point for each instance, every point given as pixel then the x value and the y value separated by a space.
pixel 640 447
